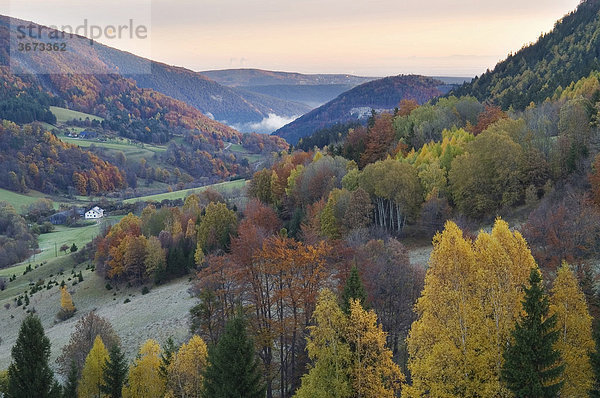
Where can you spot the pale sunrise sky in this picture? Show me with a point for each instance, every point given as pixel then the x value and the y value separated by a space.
pixel 372 38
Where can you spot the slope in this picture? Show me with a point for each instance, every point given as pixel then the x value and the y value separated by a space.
pixel 356 104
pixel 566 54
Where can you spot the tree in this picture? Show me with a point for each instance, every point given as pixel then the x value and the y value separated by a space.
pixel 186 369
pixel 216 227
pixel 329 373
pixel 73 248
pixel 488 175
pixel 92 374
pixel 353 290
pixel 373 373
pixel 82 340
pixel 575 342
pixel 165 358
pixel 29 374
pixel 144 379
pixel 466 312
pixel 233 369
pixel 349 355
pixel 67 309
pixel 595 361
pixel 532 366
pixel 70 388
pixel 114 373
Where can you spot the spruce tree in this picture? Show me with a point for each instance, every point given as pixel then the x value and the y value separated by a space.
pixel 233 370
pixel 114 373
pixel 165 358
pixel 595 360
pixel 29 373
pixel 532 366
pixel 70 389
pixel 353 290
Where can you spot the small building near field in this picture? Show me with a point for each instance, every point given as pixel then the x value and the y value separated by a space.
pixel 60 218
pixel 94 213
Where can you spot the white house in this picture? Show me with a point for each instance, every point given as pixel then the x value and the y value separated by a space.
pixel 94 213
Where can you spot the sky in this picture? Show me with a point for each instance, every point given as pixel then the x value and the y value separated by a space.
pixel 369 38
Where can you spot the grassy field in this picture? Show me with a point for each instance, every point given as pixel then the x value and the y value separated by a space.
pixel 64 115
pixel 223 187
pixel 143 320
pixel 130 149
pixel 62 235
pixel 18 199
pixel 252 157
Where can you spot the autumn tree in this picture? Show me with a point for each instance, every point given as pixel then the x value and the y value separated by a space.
pixel 92 373
pixel 488 175
pixel 29 374
pixel 216 227
pixel 260 186
pixel 82 339
pixel 373 373
pixel 532 366
pixel 379 140
pixel 233 369
pixel 575 341
pixel 466 312
pixel 144 379
pixel 114 373
pixel 186 369
pixel 67 309
pixel 349 354
pixel 329 371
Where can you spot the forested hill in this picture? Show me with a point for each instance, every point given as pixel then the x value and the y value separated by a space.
pixel 197 91
pixel 565 55
pixel 356 104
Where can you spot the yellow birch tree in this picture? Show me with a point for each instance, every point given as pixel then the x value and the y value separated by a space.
pixel 91 375
pixel 144 379
pixel 575 343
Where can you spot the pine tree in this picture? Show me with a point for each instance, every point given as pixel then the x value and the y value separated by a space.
pixel 91 376
pixel 114 373
pixel 233 370
pixel 29 373
pixel 532 366
pixel 353 290
pixel 575 341
pixel 70 389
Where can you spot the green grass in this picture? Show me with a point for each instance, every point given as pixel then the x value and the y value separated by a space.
pixel 130 149
pixel 62 235
pixel 64 115
pixel 17 200
pixel 223 187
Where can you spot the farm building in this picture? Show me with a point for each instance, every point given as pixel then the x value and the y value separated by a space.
pixel 94 213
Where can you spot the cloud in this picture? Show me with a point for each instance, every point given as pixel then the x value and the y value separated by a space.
pixel 266 126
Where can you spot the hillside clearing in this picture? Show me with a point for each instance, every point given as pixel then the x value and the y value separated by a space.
pixel 223 187
pixel 64 115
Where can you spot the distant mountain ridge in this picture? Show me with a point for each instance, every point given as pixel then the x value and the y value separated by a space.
pixel 261 77
pixel 356 104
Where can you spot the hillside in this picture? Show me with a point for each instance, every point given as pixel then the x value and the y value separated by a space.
pixel 219 102
pixel 565 55
pixel 356 104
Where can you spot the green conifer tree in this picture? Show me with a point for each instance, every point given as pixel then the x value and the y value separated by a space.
pixel 233 370
pixel 532 366
pixel 353 290
pixel 114 373
pixel 165 358
pixel 70 389
pixel 29 374
pixel 595 360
